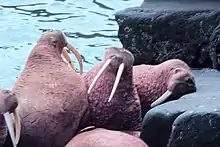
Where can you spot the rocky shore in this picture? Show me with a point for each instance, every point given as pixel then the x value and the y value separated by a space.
pixel 161 30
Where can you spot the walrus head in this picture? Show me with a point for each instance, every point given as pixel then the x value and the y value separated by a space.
pixel 8 105
pixel 181 82
pixel 118 59
pixel 58 40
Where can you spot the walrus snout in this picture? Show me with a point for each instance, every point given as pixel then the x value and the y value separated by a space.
pixel 117 58
pixel 181 82
pixel 10 101
pixel 8 104
pixel 57 40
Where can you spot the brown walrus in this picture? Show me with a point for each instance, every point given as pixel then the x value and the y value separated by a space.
pixel 8 105
pixel 100 137
pixel 53 99
pixel 113 101
pixel 157 84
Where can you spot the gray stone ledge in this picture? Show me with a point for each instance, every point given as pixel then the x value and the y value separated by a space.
pixel 158 31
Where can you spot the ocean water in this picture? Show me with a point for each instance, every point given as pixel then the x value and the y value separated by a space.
pixel 89 25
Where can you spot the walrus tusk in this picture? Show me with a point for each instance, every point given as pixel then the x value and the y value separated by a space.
pixel 10 126
pixel 68 59
pixel 161 99
pixel 76 53
pixel 108 61
pixel 117 79
pixel 17 122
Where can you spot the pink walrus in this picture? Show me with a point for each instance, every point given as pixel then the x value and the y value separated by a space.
pixel 157 84
pixel 105 138
pixel 52 97
pixel 114 103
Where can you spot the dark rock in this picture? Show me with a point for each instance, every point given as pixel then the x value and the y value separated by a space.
pixel 191 121
pixel 159 30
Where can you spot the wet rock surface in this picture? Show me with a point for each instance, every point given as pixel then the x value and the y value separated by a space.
pixel 192 121
pixel 159 30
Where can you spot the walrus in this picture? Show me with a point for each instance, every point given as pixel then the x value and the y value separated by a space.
pixel 157 84
pixel 9 118
pixel 113 100
pixel 100 137
pixel 53 98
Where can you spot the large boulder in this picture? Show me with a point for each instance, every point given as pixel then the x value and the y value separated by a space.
pixel 191 121
pixel 159 30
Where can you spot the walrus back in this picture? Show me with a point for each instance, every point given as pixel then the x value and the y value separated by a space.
pixel 102 137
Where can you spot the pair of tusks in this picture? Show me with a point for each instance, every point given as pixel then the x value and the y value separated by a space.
pixel 15 136
pixel 162 98
pixel 117 79
pixel 76 53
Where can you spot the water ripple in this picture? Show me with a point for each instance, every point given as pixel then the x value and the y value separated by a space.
pixel 15 6
pixel 102 5
pixel 86 61
pixel 89 26
pixel 113 30
pixel 60 19
pixel 88 36
pixel 98 45
pixel 99 13
pixel 61 0
pixel 8 47
pixel 40 12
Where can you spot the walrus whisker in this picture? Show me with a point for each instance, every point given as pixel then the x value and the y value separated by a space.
pixel 105 65
pixel 117 79
pixel 17 122
pixel 78 56
pixel 10 126
pixel 68 59
pixel 161 99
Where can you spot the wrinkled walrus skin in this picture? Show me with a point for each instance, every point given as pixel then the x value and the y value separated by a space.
pixel 53 98
pixel 152 81
pixel 8 103
pixel 123 112
pixel 105 138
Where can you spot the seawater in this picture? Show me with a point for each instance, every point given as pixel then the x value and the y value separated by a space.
pixel 89 25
